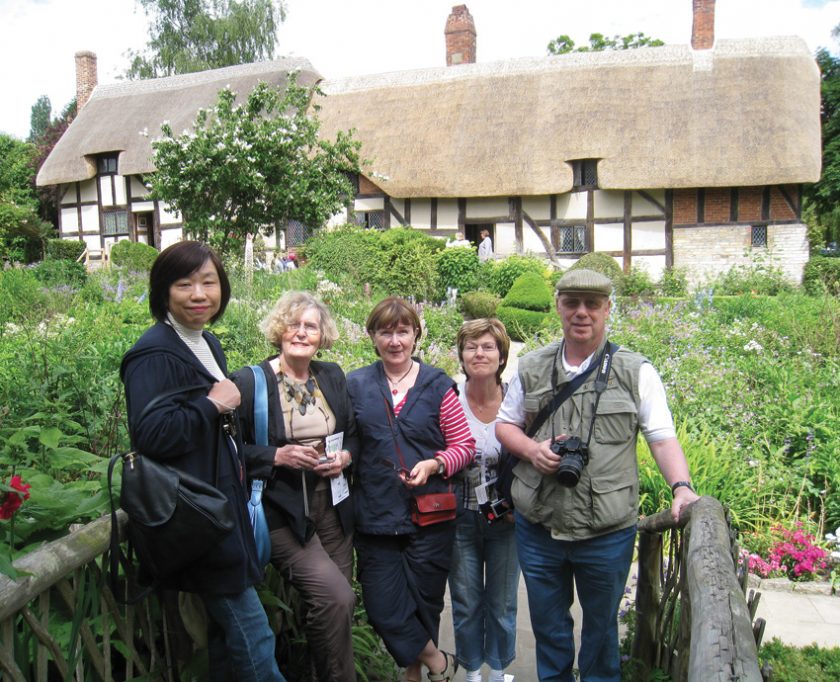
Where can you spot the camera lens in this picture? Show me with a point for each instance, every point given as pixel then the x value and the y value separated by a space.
pixel 568 474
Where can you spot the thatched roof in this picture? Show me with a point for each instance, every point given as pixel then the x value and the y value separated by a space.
pixel 744 113
pixel 125 117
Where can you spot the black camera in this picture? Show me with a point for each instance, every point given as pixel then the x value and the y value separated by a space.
pixel 575 454
pixel 494 510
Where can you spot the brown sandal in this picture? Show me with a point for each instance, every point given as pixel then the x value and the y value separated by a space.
pixel 448 673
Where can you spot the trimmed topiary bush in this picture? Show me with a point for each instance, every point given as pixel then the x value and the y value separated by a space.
pixel 530 291
pixel 505 272
pixel 600 262
pixel 135 256
pixel 64 249
pixel 475 305
pixel 521 324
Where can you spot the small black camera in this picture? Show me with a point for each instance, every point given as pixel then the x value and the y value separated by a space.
pixel 575 454
pixel 494 510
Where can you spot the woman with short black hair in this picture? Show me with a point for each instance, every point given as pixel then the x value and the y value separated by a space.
pixel 196 431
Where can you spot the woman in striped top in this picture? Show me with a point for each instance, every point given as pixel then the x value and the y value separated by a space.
pixel 414 438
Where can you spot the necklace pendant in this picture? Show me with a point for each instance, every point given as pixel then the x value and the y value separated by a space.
pixel 394 391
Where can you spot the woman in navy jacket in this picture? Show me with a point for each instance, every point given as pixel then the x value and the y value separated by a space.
pixel 195 432
pixel 311 524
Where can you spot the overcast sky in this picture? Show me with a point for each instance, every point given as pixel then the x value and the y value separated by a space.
pixel 38 38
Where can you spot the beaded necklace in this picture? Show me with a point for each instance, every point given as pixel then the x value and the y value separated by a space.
pixel 300 394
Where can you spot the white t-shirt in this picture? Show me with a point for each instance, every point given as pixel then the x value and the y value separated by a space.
pixel 485 466
pixel 655 420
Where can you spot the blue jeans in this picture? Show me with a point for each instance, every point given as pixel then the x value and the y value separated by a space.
pixel 239 639
pixel 598 567
pixel 483 584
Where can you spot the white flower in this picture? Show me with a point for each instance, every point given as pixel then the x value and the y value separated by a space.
pixel 754 345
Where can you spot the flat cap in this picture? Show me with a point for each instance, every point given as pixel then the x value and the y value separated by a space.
pixel 585 282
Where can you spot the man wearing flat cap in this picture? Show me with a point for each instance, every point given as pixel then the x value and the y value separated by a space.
pixel 571 416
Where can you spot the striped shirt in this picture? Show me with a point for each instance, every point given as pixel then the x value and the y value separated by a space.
pixel 460 444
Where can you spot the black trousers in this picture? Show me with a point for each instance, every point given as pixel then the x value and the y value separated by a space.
pixel 403 580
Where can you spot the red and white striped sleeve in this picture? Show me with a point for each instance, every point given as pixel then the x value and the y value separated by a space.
pixel 460 444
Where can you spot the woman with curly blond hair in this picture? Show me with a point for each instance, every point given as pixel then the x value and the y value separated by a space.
pixel 311 524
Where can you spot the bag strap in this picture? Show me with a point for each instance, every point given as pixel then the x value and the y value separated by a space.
pixel 160 397
pixel 260 405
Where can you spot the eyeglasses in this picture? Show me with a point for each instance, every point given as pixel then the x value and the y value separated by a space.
pixel 402 472
pixel 486 348
pixel 310 328
pixel 591 302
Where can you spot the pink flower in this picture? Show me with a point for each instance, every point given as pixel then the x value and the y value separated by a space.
pixel 13 499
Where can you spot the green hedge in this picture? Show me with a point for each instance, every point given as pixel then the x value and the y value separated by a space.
pixel 522 324
pixel 458 267
pixel 600 262
pixel 135 256
pixel 530 291
pixel 502 274
pixel 56 273
pixel 822 274
pixel 64 249
pixel 475 305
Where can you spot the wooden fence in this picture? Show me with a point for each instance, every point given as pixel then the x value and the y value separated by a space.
pixel 692 618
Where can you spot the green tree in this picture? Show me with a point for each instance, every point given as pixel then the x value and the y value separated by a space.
pixel 195 35
pixel 824 195
pixel 251 168
pixel 48 197
pixel 39 119
pixel 22 233
pixel 598 43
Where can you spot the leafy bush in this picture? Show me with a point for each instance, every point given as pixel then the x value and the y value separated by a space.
pixel 135 256
pixel 674 282
pixel 822 274
pixel 794 664
pixel 56 273
pixel 458 267
pixel 475 305
pixel 636 283
pixel 757 277
pixel 503 273
pixel 65 249
pixel 21 294
pixel 521 324
pixel 530 291
pixel 600 262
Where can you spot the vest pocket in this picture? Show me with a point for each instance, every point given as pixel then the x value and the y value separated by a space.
pixel 616 421
pixel 525 491
pixel 613 499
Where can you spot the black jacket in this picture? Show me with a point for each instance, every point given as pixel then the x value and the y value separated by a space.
pixel 184 430
pixel 283 497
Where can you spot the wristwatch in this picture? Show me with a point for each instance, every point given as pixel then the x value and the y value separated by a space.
pixel 681 484
pixel 441 470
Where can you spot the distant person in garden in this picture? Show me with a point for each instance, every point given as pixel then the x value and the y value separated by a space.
pixel 485 248
pixel 196 432
pixel 311 445
pixel 484 578
pixel 414 440
pixel 577 507
pixel 458 240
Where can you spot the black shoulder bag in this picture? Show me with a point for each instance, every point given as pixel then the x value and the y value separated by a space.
pixel 173 518
pixel 508 461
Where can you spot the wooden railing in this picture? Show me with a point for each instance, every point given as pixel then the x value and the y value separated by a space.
pixel 692 618
pixel 60 619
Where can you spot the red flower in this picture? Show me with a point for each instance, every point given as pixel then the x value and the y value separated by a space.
pixel 14 498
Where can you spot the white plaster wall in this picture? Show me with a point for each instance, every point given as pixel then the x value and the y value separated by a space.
pixel 653 265
pixel 120 195
pixel 92 242
pixel 421 214
pixel 531 242
pixel 169 236
pixel 608 204
pixel 168 216
pixel 105 190
pixel 69 220
pixel 87 191
pixel 67 194
pixel 505 242
pixel 539 208
pixel 572 206
pixel 138 189
pixel 648 236
pixel 369 204
pixel 142 206
pixel 90 219
pixel 447 214
pixel 642 207
pixel 487 208
pixel 609 237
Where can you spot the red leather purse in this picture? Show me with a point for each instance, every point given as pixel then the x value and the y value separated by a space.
pixel 433 508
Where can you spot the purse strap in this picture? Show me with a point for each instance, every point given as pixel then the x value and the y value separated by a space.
pixel 260 405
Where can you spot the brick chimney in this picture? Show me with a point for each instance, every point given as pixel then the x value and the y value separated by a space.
pixel 460 37
pixel 86 78
pixel 703 26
